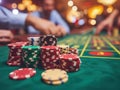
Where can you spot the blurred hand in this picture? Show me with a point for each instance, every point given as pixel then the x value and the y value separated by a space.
pixel 6 36
pixel 42 25
pixel 119 21
pixel 107 23
pixel 61 31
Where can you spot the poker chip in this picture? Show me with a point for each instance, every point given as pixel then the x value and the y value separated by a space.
pixel 42 51
pixel 14 58
pixel 14 61
pixel 31 56
pixel 73 51
pixel 46 40
pixel 34 41
pixel 50 57
pixel 22 73
pixel 57 82
pixel 54 76
pixel 17 44
pixel 64 49
pixel 70 62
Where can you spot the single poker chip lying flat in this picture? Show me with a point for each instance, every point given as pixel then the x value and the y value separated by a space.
pixel 22 73
pixel 54 74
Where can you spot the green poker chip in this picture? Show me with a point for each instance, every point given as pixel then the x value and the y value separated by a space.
pixel 31 56
pixel 31 48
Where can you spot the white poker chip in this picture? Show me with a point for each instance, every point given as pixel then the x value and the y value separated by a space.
pixel 54 74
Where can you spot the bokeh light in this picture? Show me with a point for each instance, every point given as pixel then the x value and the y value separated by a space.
pixel 21 6
pixel 74 8
pixel 109 9
pixel 92 22
pixel 14 5
pixel 107 2
pixel 27 2
pixel 95 10
pixel 70 3
pixel 15 11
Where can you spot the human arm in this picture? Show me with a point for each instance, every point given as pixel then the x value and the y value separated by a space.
pixel 57 19
pixel 11 21
pixel 107 23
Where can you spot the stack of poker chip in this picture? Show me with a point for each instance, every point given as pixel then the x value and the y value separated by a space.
pixel 50 57
pixel 73 51
pixel 30 56
pixel 33 41
pixel 14 58
pixel 46 40
pixel 64 49
pixel 54 76
pixel 70 62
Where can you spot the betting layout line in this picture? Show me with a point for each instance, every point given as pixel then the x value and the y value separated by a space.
pixel 98 50
pixel 86 44
pixel 112 46
pixel 100 57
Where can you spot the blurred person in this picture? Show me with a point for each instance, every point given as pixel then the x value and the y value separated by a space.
pixel 5 36
pixel 112 20
pixel 48 12
pixel 10 21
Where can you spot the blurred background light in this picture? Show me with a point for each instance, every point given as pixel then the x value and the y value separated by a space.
pixel 92 22
pixel 70 3
pixel 107 2
pixel 15 11
pixel 109 9
pixel 0 1
pixel 81 22
pixel 21 6
pixel 32 8
pixel 95 10
pixel 27 2
pixel 14 5
pixel 74 8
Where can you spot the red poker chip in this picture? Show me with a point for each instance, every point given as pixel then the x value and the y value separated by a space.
pixel 15 54
pixel 22 73
pixel 16 61
pixel 50 47
pixel 17 44
pixel 14 57
pixel 69 57
pixel 16 50
pixel 68 63
pixel 50 64
pixel 73 51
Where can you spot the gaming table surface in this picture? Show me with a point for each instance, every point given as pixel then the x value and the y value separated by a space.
pixel 100 68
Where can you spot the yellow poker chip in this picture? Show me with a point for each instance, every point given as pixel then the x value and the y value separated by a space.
pixel 63 46
pixel 54 74
pixel 57 82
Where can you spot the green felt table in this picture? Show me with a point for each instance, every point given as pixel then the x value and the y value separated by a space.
pixel 96 72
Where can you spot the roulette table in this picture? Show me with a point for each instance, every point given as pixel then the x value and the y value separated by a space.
pixel 100 68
